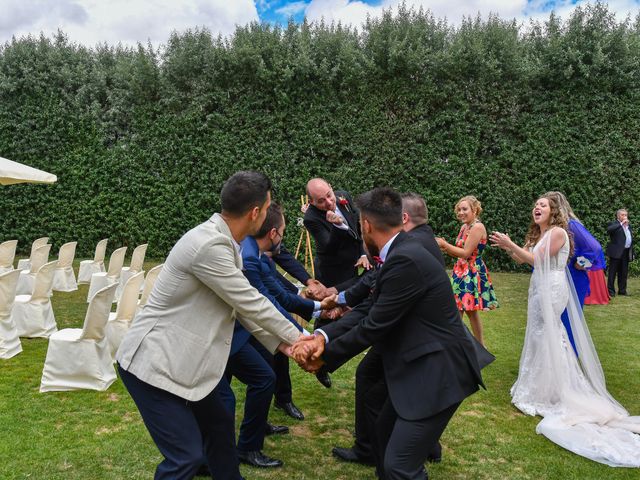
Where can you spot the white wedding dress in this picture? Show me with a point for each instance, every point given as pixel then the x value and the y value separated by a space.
pixel 568 391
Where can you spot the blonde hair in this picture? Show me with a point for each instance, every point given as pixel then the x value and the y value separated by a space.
pixel 563 204
pixel 474 204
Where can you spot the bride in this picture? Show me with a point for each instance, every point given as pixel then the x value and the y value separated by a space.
pixel 569 391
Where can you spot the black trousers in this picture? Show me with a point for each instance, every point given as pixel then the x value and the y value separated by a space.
pixel 402 446
pixel 619 267
pixel 371 394
pixel 183 430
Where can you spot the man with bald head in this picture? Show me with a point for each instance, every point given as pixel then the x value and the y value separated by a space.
pixel 332 221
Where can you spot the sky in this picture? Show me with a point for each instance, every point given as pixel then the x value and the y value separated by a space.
pixel 131 21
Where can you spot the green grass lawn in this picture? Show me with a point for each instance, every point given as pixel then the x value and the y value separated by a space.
pixel 99 435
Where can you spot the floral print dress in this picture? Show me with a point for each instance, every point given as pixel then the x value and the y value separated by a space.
pixel 470 278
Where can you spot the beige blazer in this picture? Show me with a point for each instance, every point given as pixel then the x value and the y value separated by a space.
pixel 180 341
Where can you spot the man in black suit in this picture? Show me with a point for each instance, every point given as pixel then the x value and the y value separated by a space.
pixel 620 252
pixel 429 363
pixel 370 396
pixel 333 224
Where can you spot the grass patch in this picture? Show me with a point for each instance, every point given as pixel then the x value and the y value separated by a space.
pixel 99 435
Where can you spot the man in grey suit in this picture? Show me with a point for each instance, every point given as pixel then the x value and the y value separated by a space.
pixel 174 356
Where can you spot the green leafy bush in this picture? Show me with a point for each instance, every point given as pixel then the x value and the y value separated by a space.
pixel 142 139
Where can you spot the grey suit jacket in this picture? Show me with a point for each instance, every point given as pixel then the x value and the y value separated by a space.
pixel 180 341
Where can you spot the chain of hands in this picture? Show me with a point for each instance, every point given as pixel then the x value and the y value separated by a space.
pixel 308 349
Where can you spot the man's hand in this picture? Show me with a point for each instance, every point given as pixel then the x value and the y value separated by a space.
pixel 329 302
pixel 315 289
pixel 308 348
pixel 363 262
pixel 312 366
pixel 333 217
pixel 332 314
pixel 288 349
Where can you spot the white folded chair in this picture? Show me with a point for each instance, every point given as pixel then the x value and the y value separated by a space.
pixel 79 358
pixel 112 275
pixel 64 279
pixel 33 314
pixel 137 259
pixel 120 320
pixel 27 277
pixel 149 282
pixel 25 263
pixel 9 340
pixel 89 267
pixel 7 255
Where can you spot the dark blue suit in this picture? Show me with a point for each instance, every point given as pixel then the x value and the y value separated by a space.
pixel 293 267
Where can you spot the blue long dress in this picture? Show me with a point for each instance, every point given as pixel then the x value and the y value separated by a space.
pixel 584 245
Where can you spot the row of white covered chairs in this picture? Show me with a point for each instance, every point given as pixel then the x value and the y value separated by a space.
pixel 25 315
pixel 83 359
pixel 64 277
pixel 76 358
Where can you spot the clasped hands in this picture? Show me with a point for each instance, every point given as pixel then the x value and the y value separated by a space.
pixel 307 352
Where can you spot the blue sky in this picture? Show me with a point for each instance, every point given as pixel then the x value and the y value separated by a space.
pixel 131 21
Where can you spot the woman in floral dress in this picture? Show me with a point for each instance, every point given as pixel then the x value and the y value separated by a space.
pixel 470 278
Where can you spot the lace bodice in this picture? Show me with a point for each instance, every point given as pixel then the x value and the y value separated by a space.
pixel 559 261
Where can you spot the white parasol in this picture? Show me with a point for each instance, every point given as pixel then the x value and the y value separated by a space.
pixel 14 172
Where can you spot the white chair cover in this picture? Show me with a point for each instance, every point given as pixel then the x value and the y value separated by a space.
pixel 25 263
pixel 79 358
pixel 149 281
pixel 112 275
pixel 137 260
pixel 89 267
pixel 27 277
pixel 120 320
pixel 9 340
pixel 64 279
pixel 33 314
pixel 7 255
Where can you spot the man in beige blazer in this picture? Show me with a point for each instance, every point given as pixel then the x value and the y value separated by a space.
pixel 175 353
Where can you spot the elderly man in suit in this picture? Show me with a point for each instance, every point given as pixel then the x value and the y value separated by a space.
pixel 620 252
pixel 332 221
pixel 429 365
pixel 174 355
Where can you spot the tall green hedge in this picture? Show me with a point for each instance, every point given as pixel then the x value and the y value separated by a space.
pixel 142 139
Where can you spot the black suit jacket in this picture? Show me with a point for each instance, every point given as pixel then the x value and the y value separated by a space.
pixel 413 322
pixel 354 294
pixel 337 250
pixel 615 248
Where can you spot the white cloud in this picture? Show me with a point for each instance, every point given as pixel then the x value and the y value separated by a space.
pixel 126 21
pixel 291 8
pixel 355 12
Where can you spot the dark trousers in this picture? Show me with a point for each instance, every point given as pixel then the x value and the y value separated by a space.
pixel 280 366
pixel 371 394
pixel 619 267
pixel 248 366
pixel 183 430
pixel 402 446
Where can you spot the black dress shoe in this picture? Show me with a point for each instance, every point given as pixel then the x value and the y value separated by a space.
pixel 290 409
pixel 324 378
pixel 258 459
pixel 349 455
pixel 275 429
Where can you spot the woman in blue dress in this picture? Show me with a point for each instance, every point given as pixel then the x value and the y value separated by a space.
pixel 587 254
